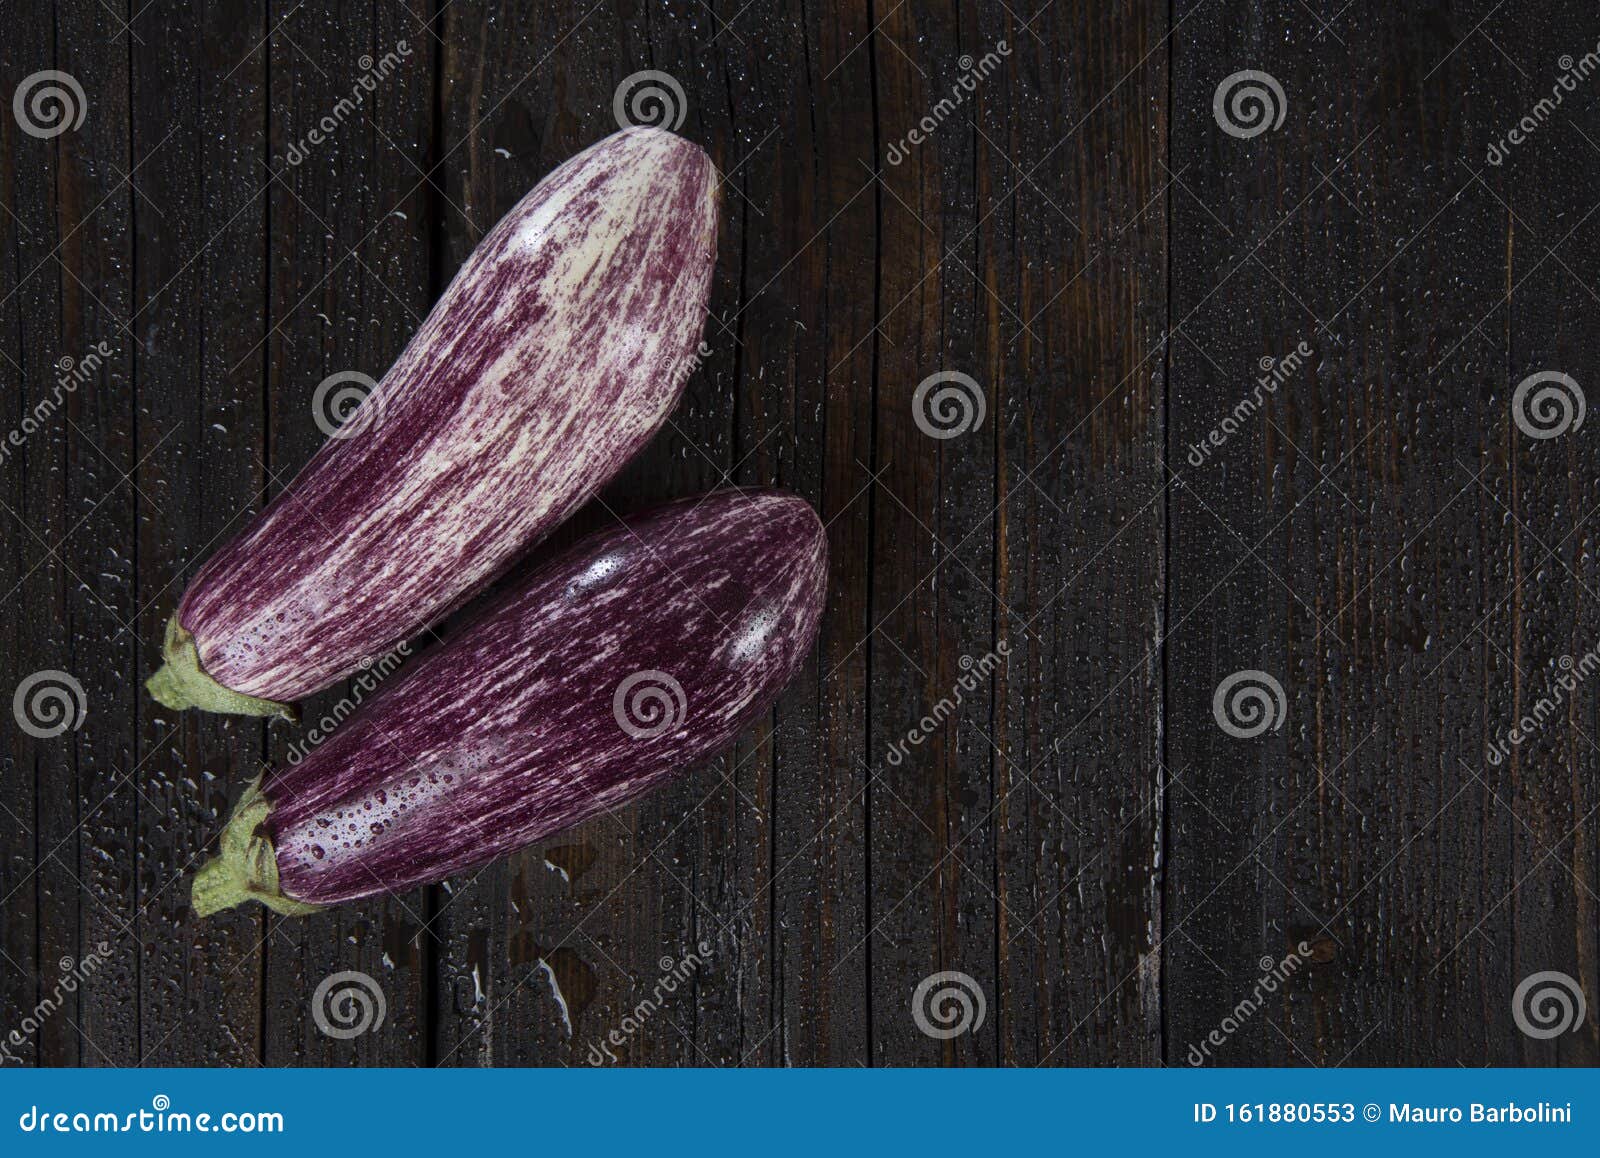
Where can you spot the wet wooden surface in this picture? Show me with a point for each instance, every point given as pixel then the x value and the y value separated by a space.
pixel 1078 232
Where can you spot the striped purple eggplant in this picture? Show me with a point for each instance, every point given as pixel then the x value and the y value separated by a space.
pixel 552 358
pixel 644 649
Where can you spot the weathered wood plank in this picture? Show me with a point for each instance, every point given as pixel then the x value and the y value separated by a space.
pixel 811 271
pixel 931 904
pixel 1337 542
pixel 1546 489
pixel 200 219
pixel 95 284
pixel 38 772
pixel 1074 144
pixel 351 232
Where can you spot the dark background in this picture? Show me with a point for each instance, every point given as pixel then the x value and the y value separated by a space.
pixel 1084 240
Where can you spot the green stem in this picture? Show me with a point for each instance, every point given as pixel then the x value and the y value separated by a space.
pixel 183 683
pixel 246 868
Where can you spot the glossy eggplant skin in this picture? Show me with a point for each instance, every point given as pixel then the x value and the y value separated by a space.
pixel 546 365
pixel 644 649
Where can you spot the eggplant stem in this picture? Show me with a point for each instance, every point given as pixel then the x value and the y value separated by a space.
pixel 183 683
pixel 246 868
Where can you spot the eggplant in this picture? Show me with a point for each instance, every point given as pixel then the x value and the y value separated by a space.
pixel 546 365
pixel 644 649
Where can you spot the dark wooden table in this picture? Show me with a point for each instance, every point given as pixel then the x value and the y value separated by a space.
pixel 1249 404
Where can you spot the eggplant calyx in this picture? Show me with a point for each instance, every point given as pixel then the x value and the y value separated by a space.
pixel 247 867
pixel 183 683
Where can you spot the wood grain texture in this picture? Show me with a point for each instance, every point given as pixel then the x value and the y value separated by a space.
pixel 1003 758
pixel 200 268
pixel 350 232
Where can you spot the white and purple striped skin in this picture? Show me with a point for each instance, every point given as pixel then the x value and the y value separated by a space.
pixel 548 363
pixel 510 731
